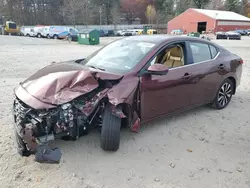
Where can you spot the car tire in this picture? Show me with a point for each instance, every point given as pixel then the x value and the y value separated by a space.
pixel 39 35
pixel 28 35
pixel 224 94
pixel 21 147
pixel 55 37
pixel 111 130
pixel 48 37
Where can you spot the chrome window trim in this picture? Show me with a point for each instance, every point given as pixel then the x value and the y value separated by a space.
pixel 196 63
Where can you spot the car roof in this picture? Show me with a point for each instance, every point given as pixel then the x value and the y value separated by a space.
pixel 161 38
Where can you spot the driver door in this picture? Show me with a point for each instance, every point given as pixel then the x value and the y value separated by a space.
pixel 164 94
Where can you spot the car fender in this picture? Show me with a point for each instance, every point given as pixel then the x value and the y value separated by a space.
pixel 124 91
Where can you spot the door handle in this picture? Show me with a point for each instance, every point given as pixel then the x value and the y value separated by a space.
pixel 221 66
pixel 186 76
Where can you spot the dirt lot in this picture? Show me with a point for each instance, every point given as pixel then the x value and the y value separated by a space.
pixel 155 157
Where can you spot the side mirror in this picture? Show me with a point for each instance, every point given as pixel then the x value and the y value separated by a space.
pixel 158 69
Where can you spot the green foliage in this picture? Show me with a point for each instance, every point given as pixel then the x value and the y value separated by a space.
pixel 233 5
pixel 200 3
pixel 51 12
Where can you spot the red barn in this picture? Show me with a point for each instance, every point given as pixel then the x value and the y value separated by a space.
pixel 198 20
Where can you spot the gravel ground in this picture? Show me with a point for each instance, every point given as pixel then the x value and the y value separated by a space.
pixel 200 148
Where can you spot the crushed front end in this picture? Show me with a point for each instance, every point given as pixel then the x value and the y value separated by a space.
pixel 70 120
pixel 68 103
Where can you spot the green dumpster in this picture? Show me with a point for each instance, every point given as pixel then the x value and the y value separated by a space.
pixel 89 37
pixel 193 34
pixel 146 28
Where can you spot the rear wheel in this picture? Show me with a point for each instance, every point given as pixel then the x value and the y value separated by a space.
pixel 55 37
pixel 48 37
pixel 224 94
pixel 28 35
pixel 111 130
pixel 39 35
pixel 21 146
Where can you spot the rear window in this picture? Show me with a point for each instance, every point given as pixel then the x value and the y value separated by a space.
pixel 214 51
pixel 200 51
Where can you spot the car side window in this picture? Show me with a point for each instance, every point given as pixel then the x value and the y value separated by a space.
pixel 170 56
pixel 213 50
pixel 200 51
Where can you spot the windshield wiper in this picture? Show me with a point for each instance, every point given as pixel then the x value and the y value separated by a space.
pixel 96 67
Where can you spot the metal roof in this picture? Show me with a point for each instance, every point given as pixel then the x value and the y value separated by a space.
pixel 223 15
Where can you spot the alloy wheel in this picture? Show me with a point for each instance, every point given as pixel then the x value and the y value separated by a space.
pixel 225 94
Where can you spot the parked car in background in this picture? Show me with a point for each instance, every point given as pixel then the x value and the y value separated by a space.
pixel 232 35
pixel 221 35
pixel 241 32
pixel 151 32
pixel 102 33
pixel 54 31
pixel 128 82
pixel 128 33
pixel 248 32
pixel 45 32
pixel 28 32
pixel 131 32
pixel 177 32
pixel 70 33
pixel 110 33
pixel 38 31
pixel 121 32
pixel 139 31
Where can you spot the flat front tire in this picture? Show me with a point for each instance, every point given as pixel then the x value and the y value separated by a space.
pixel 224 94
pixel 111 130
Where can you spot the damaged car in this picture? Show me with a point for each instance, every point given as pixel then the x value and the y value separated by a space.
pixel 128 82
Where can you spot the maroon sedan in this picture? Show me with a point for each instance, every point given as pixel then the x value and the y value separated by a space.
pixel 129 81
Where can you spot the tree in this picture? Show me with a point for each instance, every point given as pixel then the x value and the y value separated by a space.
pixel 130 9
pixel 181 6
pixel 70 9
pixel 244 7
pixel 232 5
pixel 215 5
pixel 164 10
pixel 166 6
pixel 107 8
pixel 200 3
pixel 150 13
pixel 115 13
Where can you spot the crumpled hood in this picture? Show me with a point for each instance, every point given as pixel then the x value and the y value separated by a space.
pixel 60 83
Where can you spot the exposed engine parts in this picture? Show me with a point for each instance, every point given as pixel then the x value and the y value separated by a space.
pixel 68 114
pixel 72 119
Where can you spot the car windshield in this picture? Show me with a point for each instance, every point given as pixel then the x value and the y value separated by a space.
pixel 119 57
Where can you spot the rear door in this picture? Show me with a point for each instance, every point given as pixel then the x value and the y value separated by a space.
pixel 205 70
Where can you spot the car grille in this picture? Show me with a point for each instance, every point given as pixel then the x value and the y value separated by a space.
pixel 20 109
